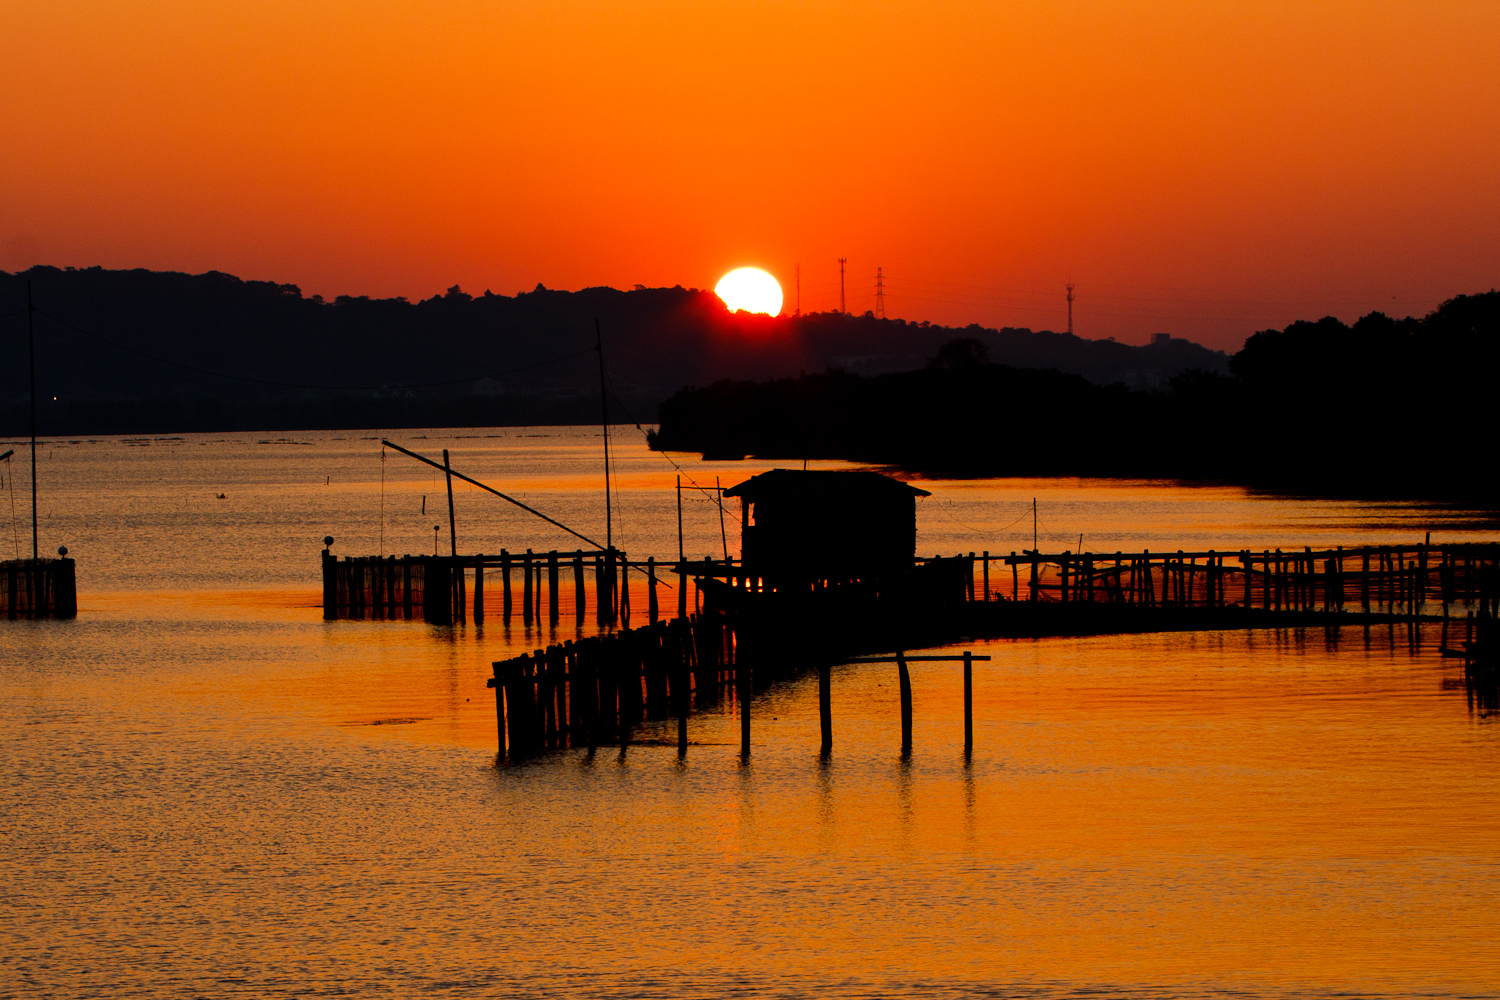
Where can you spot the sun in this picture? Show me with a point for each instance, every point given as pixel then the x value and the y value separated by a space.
pixel 750 289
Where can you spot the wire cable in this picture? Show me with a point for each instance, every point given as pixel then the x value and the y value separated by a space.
pixel 302 385
pixel 631 417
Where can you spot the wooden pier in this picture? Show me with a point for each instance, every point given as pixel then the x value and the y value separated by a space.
pixel 745 632
pixel 38 588
pixel 448 590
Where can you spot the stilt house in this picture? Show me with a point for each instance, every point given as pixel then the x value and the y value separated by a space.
pixel 825 528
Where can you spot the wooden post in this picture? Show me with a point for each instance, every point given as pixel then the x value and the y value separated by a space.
pixel 330 587
pixel 904 676
pixel 986 574
pixel 497 682
pixel 552 571
pixel 624 589
pixel 526 588
pixel 505 584
pixel 460 583
pixel 825 706
pixel 580 591
pixel 479 589
pixel 1015 578
pixel 742 678
pixel 680 685
pixel 651 608
pixel 968 703
pixel 601 609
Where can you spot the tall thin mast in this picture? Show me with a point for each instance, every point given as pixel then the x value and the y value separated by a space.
pixel 31 336
pixel 609 541
pixel 1033 525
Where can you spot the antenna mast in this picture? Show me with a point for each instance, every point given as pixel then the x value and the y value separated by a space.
pixel 609 522
pixel 842 262
pixel 1070 307
pixel 879 294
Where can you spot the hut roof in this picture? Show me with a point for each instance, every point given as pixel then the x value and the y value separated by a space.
pixel 821 484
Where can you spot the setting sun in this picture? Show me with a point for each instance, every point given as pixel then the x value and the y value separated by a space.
pixel 750 289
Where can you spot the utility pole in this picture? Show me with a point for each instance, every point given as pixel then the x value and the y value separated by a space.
pixel 797 270
pixel 1070 307
pixel 31 337
pixel 879 294
pixel 842 262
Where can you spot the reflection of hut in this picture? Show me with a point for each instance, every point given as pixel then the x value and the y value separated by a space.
pixel 830 526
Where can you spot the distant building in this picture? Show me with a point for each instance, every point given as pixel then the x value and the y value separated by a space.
pixel 1160 339
pixel 806 526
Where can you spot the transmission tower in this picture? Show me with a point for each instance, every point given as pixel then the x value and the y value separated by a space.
pixel 879 294
pixel 842 262
pixel 1070 307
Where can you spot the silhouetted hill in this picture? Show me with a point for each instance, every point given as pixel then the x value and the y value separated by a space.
pixel 1385 408
pixel 359 362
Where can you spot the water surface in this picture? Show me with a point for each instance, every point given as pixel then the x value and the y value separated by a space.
pixel 213 792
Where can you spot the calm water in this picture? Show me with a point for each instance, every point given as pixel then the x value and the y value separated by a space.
pixel 211 792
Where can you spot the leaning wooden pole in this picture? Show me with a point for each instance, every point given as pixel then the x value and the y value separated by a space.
pixel 452 524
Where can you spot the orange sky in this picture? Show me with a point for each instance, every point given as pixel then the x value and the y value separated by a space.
pixel 1203 168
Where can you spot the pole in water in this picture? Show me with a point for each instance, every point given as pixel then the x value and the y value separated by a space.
pixel 31 338
pixel 723 536
pixel 604 421
pixel 825 706
pixel 1033 524
pixel 968 704
pixel 905 678
pixel 452 525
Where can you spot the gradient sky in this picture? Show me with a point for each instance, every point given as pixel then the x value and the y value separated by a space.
pixel 1207 169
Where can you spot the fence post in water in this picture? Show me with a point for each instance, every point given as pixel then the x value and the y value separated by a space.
pixel 479 589
pixel 986 574
pixel 825 705
pixel 601 599
pixel 968 703
pixel 681 686
pixel 651 608
pixel 742 679
pixel 498 683
pixel 526 588
pixel 905 678
pixel 624 589
pixel 552 571
pixel 1015 578
pixel 460 589
pixel 505 584
pixel 330 587
pixel 580 591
